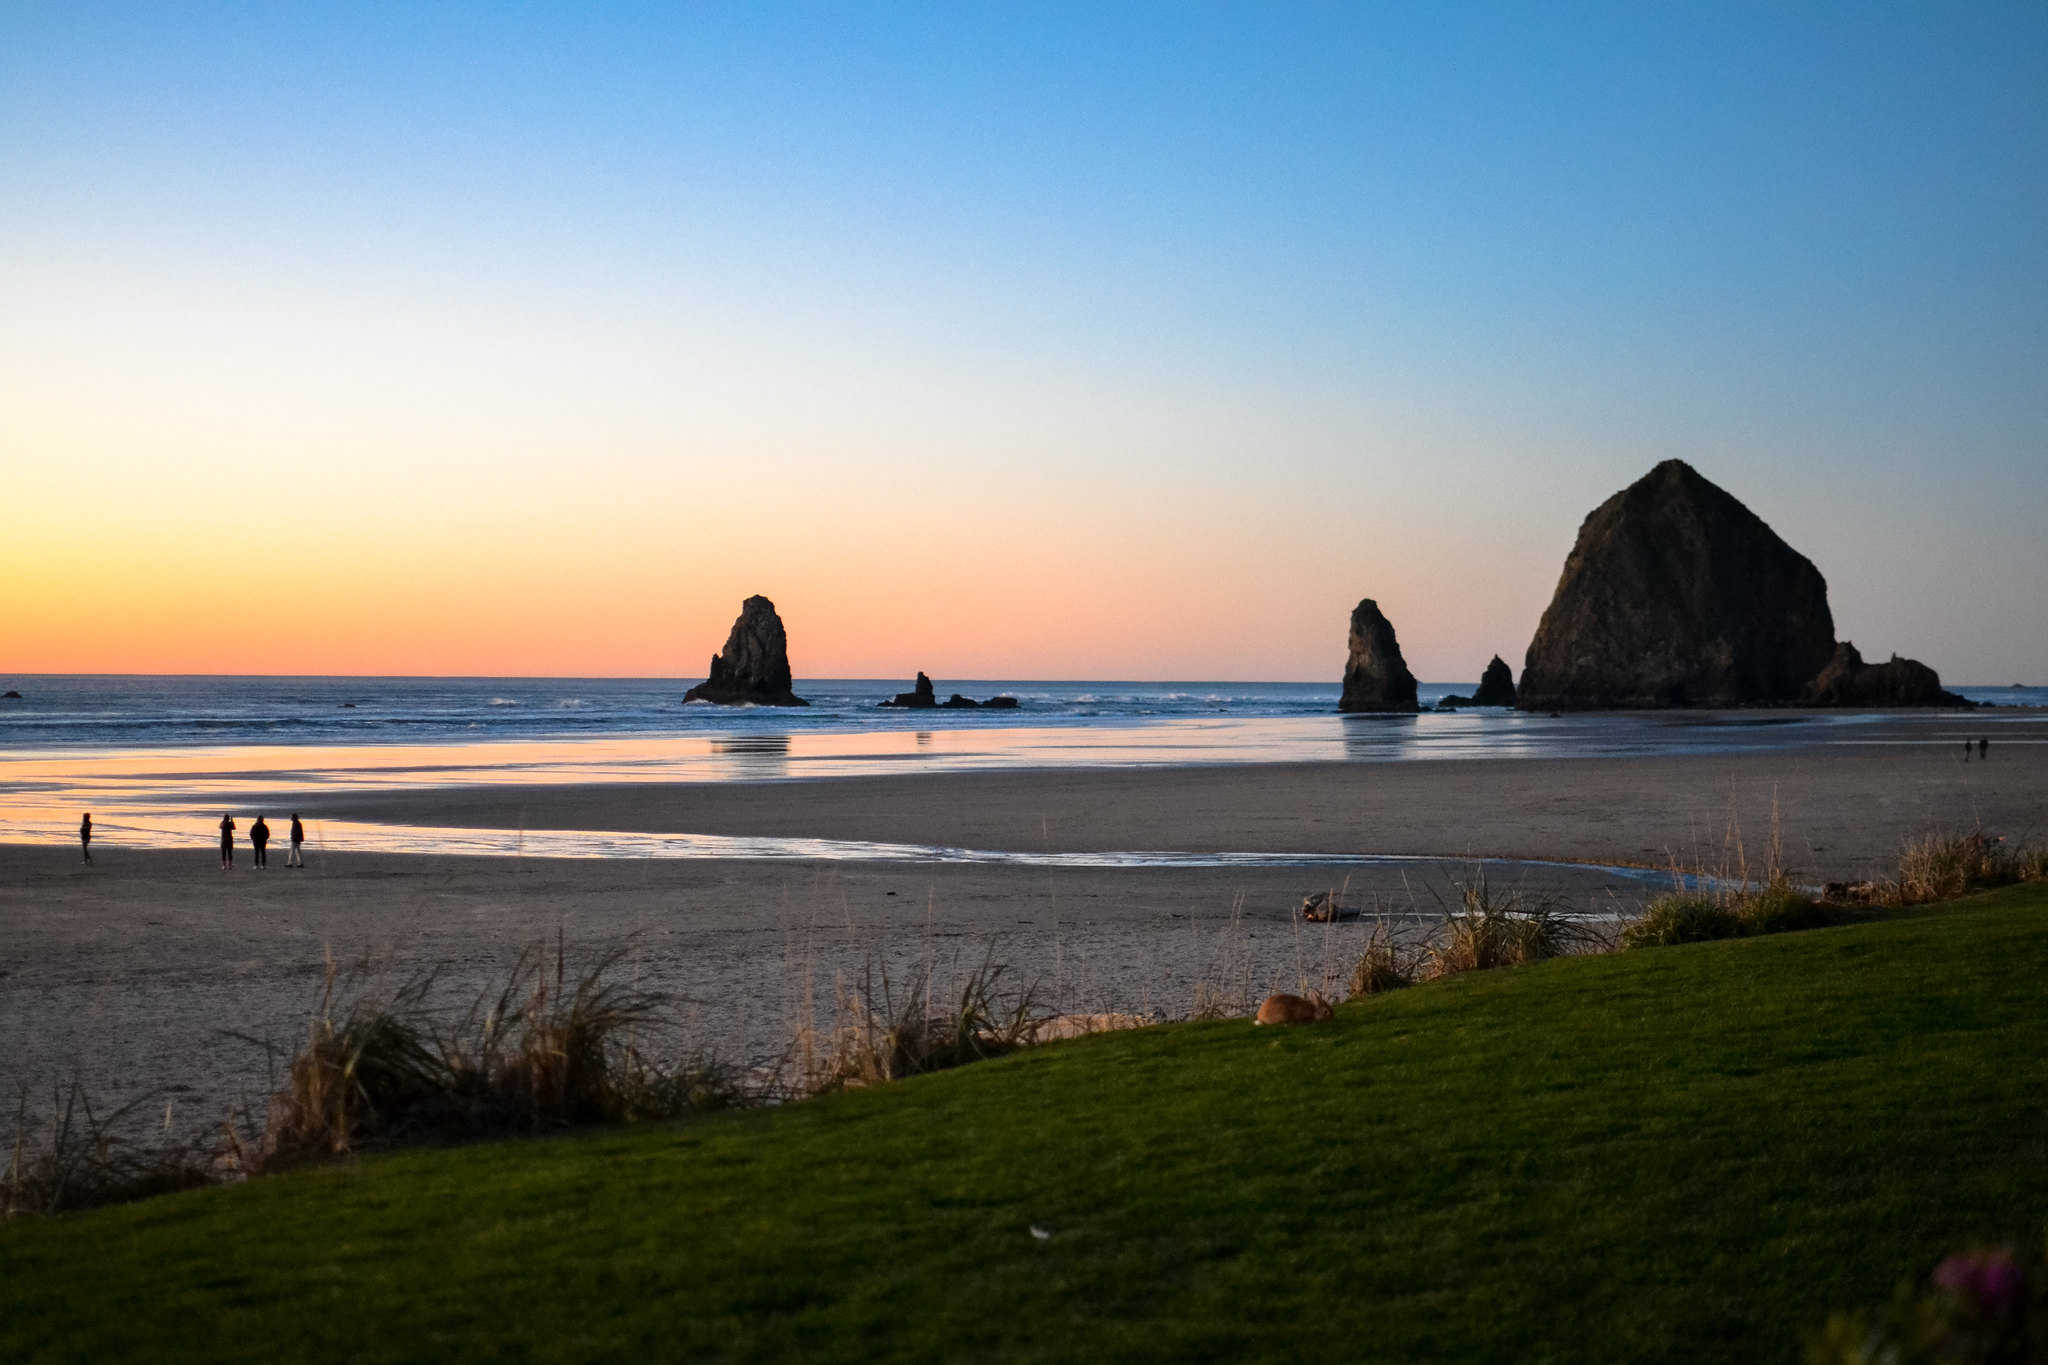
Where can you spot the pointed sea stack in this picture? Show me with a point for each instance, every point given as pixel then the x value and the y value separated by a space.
pixel 1376 678
pixel 1678 595
pixel 754 668
pixel 1496 685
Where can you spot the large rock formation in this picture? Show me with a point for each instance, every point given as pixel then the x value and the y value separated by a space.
pixel 1848 681
pixel 1376 678
pixel 1496 685
pixel 754 667
pixel 1678 595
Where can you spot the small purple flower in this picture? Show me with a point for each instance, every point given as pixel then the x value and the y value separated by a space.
pixel 1992 1280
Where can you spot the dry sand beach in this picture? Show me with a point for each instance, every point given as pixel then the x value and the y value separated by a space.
pixel 131 973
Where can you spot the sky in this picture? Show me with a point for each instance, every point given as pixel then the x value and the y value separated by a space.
pixel 999 341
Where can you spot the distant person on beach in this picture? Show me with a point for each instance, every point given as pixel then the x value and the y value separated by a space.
pixel 1966 751
pixel 259 839
pixel 227 842
pixel 1983 749
pixel 296 858
pixel 85 835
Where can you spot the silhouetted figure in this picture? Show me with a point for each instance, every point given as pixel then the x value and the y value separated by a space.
pixel 1983 749
pixel 85 835
pixel 294 858
pixel 259 839
pixel 227 842
pixel 1966 750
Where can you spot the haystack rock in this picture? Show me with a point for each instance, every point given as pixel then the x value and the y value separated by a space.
pixel 754 667
pixel 1496 685
pixel 1848 681
pixel 1678 595
pixel 1376 678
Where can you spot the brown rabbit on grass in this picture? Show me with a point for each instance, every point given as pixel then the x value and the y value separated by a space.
pixel 1293 1009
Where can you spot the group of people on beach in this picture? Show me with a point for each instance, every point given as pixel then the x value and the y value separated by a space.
pixel 1983 747
pixel 259 840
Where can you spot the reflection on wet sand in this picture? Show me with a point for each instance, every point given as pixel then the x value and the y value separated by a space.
pixel 148 791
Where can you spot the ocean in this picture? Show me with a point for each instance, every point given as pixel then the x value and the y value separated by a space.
pixel 157 758
pixel 58 712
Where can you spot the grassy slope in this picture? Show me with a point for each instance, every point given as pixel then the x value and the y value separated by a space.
pixel 1688 1153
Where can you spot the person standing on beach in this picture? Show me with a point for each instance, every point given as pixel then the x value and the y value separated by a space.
pixel 1983 749
pixel 227 842
pixel 1966 751
pixel 259 839
pixel 295 858
pixel 85 835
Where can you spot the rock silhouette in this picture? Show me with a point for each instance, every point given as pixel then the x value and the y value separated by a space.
pixel 1848 681
pixel 926 698
pixel 919 698
pixel 1376 678
pixel 1496 688
pixel 1496 685
pixel 1678 595
pixel 753 669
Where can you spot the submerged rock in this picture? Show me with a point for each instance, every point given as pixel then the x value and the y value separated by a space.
pixel 1003 703
pixel 1848 681
pixel 1376 678
pixel 754 666
pixel 1496 685
pixel 919 698
pixel 1678 595
pixel 925 698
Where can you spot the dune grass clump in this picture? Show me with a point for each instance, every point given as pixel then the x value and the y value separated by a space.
pixel 1381 969
pixel 1699 916
pixel 1779 907
pixel 1682 918
pixel 1943 864
pixel 543 1050
pixel 886 1031
pixel 77 1158
pixel 1491 929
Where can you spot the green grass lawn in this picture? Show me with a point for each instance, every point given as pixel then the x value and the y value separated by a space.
pixel 1685 1153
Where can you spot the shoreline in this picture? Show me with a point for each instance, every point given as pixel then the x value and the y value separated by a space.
pixel 128 973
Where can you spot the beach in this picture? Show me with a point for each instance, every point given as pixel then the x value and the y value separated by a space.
pixel 135 974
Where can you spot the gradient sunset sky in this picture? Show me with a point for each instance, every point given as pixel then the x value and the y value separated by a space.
pixel 1040 341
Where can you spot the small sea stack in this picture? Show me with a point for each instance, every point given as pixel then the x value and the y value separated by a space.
pixel 753 669
pixel 924 697
pixel 1496 685
pixel 1376 678
pixel 1496 688
pixel 919 698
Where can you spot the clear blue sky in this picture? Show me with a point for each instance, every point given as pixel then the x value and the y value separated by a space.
pixel 1097 340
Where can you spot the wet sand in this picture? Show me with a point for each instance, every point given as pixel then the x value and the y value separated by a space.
pixel 1842 811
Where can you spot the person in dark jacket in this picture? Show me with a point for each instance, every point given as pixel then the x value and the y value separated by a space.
pixel 227 842
pixel 294 858
pixel 85 835
pixel 259 839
